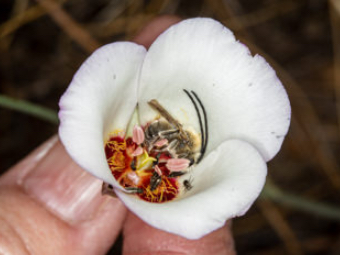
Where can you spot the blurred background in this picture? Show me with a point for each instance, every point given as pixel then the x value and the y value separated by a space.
pixel 42 44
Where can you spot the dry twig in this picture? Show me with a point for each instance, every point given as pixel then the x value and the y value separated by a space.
pixel 70 26
pixel 281 226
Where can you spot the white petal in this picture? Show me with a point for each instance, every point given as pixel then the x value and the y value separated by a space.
pixel 100 98
pixel 242 95
pixel 225 184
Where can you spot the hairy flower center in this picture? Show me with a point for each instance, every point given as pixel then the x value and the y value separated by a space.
pixel 151 161
pixel 147 164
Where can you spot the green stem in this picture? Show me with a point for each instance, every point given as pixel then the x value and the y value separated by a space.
pixel 272 192
pixel 29 108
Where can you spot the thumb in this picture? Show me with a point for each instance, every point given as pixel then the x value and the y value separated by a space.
pixel 142 239
pixel 49 205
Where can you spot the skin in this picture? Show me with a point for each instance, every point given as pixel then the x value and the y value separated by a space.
pixel 49 205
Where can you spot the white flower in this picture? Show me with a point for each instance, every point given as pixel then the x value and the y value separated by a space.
pixel 181 168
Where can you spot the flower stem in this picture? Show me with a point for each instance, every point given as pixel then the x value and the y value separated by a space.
pixel 272 192
pixel 29 108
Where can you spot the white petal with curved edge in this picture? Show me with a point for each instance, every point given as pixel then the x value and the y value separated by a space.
pixel 242 95
pixel 101 97
pixel 225 184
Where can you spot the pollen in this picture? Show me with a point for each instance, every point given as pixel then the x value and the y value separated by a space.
pixel 151 160
pixel 145 171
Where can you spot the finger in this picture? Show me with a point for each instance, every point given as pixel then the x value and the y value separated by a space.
pixel 17 173
pixel 152 30
pixel 55 207
pixel 47 199
pixel 145 37
pixel 140 239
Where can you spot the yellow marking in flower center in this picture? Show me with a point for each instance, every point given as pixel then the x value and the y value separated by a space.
pixel 117 161
pixel 117 146
pixel 125 166
pixel 117 132
pixel 146 161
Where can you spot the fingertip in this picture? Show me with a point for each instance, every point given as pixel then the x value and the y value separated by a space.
pixel 49 193
pixel 140 238
pixel 152 30
pixel 102 230
pixel 18 172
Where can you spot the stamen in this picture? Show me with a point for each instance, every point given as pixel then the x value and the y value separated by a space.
pixel 155 180
pixel 161 142
pixel 138 151
pixel 177 164
pixel 149 162
pixel 138 135
pixel 157 159
pixel 158 170
pixel 133 177
pixel 176 174
pixel 134 190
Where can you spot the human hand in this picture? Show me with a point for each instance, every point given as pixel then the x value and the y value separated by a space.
pixel 49 205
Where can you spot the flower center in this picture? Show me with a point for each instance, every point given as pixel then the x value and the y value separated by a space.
pixel 151 161
pixel 148 163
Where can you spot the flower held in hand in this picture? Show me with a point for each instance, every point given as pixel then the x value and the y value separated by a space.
pixel 182 132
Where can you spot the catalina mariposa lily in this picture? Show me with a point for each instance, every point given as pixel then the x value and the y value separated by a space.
pixel 181 132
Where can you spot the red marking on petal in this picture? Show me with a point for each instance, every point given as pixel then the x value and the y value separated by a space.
pixel 138 135
pixel 164 158
pixel 177 164
pixel 166 191
pixel 124 167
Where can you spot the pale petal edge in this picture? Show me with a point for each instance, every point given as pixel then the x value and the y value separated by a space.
pixel 241 93
pixel 101 97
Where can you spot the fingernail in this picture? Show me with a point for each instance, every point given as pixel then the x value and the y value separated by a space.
pixel 17 173
pixel 64 188
pixel 152 30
